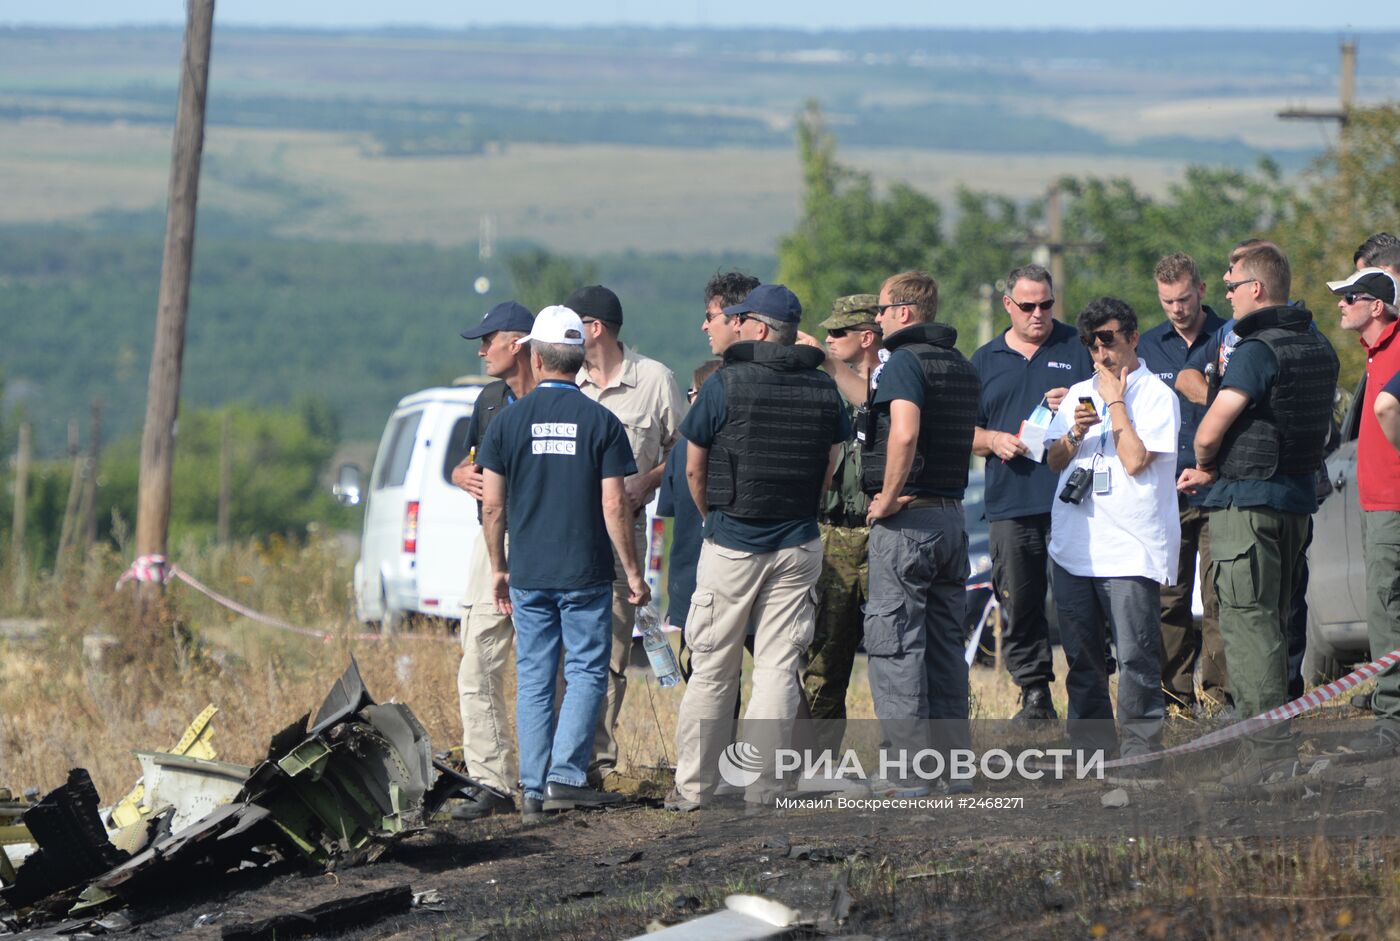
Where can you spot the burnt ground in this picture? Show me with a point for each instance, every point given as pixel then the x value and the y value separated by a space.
pixel 1182 859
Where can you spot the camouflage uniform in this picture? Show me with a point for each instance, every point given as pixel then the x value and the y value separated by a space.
pixel 842 585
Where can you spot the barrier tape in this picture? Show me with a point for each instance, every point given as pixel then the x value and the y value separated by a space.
pixel 155 568
pixel 1297 707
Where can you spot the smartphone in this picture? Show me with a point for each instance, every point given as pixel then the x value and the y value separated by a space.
pixel 1087 400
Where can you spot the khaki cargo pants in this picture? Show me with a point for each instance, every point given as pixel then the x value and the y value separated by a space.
pixel 488 637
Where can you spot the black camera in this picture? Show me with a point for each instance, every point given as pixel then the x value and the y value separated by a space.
pixel 1077 487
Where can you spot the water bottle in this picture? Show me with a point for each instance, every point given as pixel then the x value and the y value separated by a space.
pixel 658 648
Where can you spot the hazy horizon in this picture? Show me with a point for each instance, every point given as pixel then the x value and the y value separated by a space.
pixel 1016 15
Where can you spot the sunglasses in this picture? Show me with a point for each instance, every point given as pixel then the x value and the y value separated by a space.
pixel 1103 338
pixel 711 315
pixel 1353 298
pixel 837 333
pixel 881 308
pixel 1232 285
pixel 1028 306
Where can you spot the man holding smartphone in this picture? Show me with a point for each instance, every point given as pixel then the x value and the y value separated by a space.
pixel 1115 534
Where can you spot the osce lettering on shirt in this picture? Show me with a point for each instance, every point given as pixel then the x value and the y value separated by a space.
pixel 553 437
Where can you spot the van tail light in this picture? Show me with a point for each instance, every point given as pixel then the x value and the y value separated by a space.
pixel 410 528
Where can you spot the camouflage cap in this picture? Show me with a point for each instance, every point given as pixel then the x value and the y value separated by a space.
pixel 851 311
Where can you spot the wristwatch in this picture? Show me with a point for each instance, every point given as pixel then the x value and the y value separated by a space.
pixel 1074 438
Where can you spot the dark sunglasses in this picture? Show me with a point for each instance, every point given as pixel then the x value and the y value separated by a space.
pixel 1104 338
pixel 881 308
pixel 837 333
pixel 1028 306
pixel 711 316
pixel 1233 285
pixel 1353 298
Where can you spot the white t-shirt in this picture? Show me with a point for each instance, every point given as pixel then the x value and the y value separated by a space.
pixel 1134 529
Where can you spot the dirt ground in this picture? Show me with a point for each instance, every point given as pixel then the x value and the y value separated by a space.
pixel 1182 859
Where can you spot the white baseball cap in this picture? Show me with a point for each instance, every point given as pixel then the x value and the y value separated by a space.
pixel 556 324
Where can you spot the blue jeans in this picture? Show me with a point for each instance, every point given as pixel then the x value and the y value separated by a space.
pixel 558 748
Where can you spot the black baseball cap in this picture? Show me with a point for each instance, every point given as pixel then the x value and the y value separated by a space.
pixel 1376 282
pixel 596 302
pixel 508 315
pixel 770 300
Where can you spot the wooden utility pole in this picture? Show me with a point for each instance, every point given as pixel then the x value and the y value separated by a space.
pixel 69 528
pixel 1346 93
pixel 163 390
pixel 1052 247
pixel 21 496
pixel 94 454
pixel 225 478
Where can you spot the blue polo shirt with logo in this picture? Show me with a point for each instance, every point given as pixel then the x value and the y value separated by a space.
pixel 1166 354
pixel 1012 386
pixel 554 447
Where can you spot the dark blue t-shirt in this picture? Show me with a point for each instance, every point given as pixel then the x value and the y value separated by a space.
pixel 1393 386
pixel 701 426
pixel 1166 354
pixel 1012 387
pixel 1253 370
pixel 554 447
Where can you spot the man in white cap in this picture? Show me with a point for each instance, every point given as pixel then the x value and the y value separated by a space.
pixel 1367 304
pixel 555 462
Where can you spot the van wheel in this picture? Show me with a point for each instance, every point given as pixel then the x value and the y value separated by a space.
pixel 390 619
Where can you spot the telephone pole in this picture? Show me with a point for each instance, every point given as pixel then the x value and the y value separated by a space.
pixel 163 390
pixel 1346 96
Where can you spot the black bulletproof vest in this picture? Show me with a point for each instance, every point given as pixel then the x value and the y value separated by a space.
pixel 946 422
pixel 1287 432
pixel 781 416
pixel 490 402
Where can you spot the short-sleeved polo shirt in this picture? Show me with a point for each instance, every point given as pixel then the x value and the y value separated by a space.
pixel 1377 463
pixel 701 426
pixel 1253 370
pixel 555 447
pixel 1166 354
pixel 1012 387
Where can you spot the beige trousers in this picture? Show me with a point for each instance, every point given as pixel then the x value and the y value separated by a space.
pixel 777 591
pixel 624 616
pixel 488 738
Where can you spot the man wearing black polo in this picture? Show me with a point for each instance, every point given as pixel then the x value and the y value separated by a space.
pixel 1025 373
pixel 1166 348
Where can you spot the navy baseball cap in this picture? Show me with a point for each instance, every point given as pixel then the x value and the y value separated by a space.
pixel 770 300
pixel 508 315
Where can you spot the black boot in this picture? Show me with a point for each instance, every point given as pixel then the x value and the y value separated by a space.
pixel 1036 707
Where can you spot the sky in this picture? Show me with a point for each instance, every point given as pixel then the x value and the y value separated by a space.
pixel 813 14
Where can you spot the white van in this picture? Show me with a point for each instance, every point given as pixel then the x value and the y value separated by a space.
pixel 419 529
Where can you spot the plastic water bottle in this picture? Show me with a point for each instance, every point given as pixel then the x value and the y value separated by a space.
pixel 658 648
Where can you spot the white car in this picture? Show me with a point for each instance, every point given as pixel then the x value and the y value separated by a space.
pixel 420 529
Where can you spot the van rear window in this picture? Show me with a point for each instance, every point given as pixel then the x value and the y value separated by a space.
pixel 456 448
pixel 394 467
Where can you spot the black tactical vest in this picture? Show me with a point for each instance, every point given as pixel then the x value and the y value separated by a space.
pixel 1287 432
pixel 781 416
pixel 490 402
pixel 946 422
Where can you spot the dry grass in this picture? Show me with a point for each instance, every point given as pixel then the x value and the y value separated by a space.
pixel 95 685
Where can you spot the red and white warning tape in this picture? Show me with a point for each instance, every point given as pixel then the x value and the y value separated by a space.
pixel 1273 717
pixel 154 568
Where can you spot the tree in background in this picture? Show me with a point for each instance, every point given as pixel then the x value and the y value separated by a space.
pixel 850 236
pixel 542 278
pixel 1350 193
